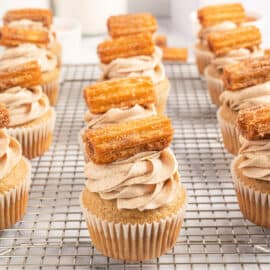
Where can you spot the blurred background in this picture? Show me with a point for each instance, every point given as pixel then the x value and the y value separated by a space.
pixel 81 24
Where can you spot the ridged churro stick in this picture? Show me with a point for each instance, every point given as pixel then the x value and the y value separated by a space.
pixel 130 24
pixel 25 75
pixel 4 116
pixel 120 141
pixel 221 43
pixel 119 93
pixel 161 41
pixel 211 15
pixel 254 123
pixel 123 47
pixel 39 15
pixel 247 73
pixel 175 54
pixel 11 36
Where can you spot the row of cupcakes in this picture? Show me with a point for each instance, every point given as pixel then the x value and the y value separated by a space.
pixel 133 201
pixel 238 81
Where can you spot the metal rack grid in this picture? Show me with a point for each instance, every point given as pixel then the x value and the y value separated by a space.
pixel 53 234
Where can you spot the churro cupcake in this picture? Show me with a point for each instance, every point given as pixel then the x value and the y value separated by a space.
pixel 134 56
pixel 46 60
pixel 251 168
pixel 35 19
pixel 133 201
pixel 31 119
pixel 247 84
pixel 15 172
pixel 215 18
pixel 116 101
pixel 230 47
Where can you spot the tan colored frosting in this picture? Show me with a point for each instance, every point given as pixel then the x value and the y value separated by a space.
pixel 143 65
pixel 235 56
pixel 117 115
pixel 247 97
pixel 221 27
pixel 27 52
pixel 24 104
pixel 256 162
pixel 10 153
pixel 144 181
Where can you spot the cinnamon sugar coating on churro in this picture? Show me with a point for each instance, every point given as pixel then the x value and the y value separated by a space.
pixel 123 140
pixel 4 116
pixel 119 93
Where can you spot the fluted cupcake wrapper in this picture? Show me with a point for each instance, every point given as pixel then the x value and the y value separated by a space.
pixel 203 59
pixel 36 139
pixel 215 87
pixel 51 89
pixel 254 204
pixel 13 202
pixel 230 134
pixel 134 242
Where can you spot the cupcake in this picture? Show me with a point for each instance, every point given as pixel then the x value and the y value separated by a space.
pixel 31 119
pixel 251 168
pixel 134 56
pixel 116 101
pixel 230 47
pixel 133 201
pixel 36 19
pixel 216 18
pixel 46 60
pixel 247 84
pixel 15 172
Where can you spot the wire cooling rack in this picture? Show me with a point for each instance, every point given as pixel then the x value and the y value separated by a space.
pixel 53 233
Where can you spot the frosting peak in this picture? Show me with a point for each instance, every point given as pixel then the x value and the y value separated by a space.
pixel 256 163
pixel 24 104
pixel 10 153
pixel 144 181
pixel 142 65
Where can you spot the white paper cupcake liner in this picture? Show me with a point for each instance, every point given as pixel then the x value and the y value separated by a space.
pixel 134 242
pixel 36 139
pixel 215 87
pixel 203 59
pixel 51 89
pixel 13 203
pixel 230 134
pixel 254 205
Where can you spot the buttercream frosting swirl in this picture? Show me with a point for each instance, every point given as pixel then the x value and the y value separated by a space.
pixel 28 52
pixel 142 65
pixel 10 153
pixel 247 97
pixel 256 159
pixel 144 181
pixel 24 104
pixel 117 115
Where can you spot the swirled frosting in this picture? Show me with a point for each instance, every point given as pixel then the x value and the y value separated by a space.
pixel 256 162
pixel 142 65
pixel 221 27
pixel 24 104
pixel 10 153
pixel 117 115
pixel 247 97
pixel 144 181
pixel 235 56
pixel 27 52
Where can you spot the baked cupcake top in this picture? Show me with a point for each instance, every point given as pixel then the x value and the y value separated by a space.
pixel 119 100
pixel 254 126
pixel 10 153
pixel 130 162
pixel 247 84
pixel 28 52
pixel 24 104
pixel 130 56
